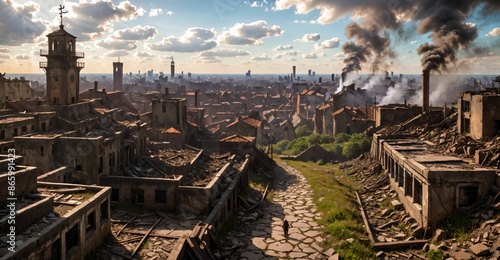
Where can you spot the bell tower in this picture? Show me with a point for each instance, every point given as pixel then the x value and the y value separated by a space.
pixel 62 68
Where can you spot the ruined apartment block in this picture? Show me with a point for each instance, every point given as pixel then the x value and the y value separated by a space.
pixel 478 114
pixel 430 185
pixel 53 220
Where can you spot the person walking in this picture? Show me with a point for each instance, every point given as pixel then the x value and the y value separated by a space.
pixel 286 226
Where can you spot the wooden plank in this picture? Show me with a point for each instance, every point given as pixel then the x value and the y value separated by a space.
pixel 400 244
pixel 365 219
pixel 144 238
pixel 195 248
pixel 124 226
pixel 142 233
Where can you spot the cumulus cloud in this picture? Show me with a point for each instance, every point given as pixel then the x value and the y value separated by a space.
pixel 143 54
pixel 155 12
pixel 260 57
pixel 137 33
pixel 17 23
pixel 4 50
pixel 222 53
pixel 22 57
pixel 494 32
pixel 286 54
pixel 118 53
pixel 283 48
pixel 310 37
pixel 328 44
pixel 91 19
pixel 311 55
pixel 413 42
pixel 193 40
pixel 249 33
pixel 113 44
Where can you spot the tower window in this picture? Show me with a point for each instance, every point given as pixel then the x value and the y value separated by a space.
pixel 70 46
pixel 54 45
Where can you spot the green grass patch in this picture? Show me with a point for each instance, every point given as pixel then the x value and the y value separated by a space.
pixel 335 199
pixel 459 226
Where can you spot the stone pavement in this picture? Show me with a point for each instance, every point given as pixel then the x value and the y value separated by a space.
pixel 263 238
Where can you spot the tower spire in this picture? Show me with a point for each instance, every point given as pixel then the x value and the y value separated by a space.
pixel 61 12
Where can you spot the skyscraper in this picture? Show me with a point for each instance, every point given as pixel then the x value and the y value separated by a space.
pixel 294 72
pixel 172 69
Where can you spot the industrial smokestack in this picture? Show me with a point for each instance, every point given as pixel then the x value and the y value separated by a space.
pixel 343 75
pixel 320 80
pixel 392 75
pixel 333 77
pixel 425 91
pixel 95 85
pixel 294 70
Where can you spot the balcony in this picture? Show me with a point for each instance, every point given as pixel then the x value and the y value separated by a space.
pixel 78 55
pixel 80 65
pixel 44 64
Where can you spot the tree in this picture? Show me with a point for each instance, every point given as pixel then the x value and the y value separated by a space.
pixel 351 150
pixel 302 131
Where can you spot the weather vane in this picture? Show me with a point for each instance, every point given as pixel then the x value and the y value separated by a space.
pixel 61 12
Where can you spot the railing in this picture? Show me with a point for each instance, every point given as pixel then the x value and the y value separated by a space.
pixel 79 55
pixel 44 64
pixel 80 65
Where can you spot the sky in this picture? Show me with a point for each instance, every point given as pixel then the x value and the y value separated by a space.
pixel 266 37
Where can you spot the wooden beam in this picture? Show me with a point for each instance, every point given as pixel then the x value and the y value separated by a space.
pixel 142 233
pixel 124 226
pixel 400 244
pixel 144 238
pixel 365 219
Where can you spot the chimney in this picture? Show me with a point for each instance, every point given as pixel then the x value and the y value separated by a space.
pixel 425 91
pixel 165 95
pixel 95 85
pixel 392 74
pixel 343 75
pixel 333 77
pixel 386 74
pixel 320 80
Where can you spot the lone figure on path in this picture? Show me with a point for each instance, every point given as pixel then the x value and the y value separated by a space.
pixel 286 226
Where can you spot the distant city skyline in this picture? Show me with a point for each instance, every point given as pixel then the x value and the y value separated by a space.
pixel 234 36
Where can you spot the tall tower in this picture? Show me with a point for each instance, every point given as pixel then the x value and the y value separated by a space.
pixel 62 68
pixel 118 75
pixel 293 69
pixel 172 69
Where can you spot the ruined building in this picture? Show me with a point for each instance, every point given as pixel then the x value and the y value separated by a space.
pixel 14 89
pixel 478 114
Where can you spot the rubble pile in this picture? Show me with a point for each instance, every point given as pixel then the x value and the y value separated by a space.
pixel 146 236
pixel 202 172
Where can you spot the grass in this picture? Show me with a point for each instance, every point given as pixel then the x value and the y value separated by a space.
pixel 459 226
pixel 336 201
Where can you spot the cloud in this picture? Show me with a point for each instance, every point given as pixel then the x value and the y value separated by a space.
pixel 413 42
pixel 283 48
pixel 22 57
pixel 137 33
pixel 286 54
pixel 4 56
pixel 222 53
pixel 250 33
pixel 155 12
pixel 91 19
pixel 116 44
pixel 143 54
pixel 255 4
pixel 116 53
pixel 304 21
pixel 193 40
pixel 494 32
pixel 260 57
pixel 328 44
pixel 311 55
pixel 17 23
pixel 4 50
pixel 310 37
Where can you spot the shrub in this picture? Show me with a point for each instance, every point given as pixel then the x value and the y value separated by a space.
pixel 321 162
pixel 351 150
pixel 302 131
pixel 341 138
pixel 280 146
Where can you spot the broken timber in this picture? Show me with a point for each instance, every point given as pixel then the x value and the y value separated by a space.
pixel 365 219
pixel 124 226
pixel 144 238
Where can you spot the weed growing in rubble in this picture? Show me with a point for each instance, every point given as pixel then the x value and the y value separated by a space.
pixel 435 255
pixel 459 226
